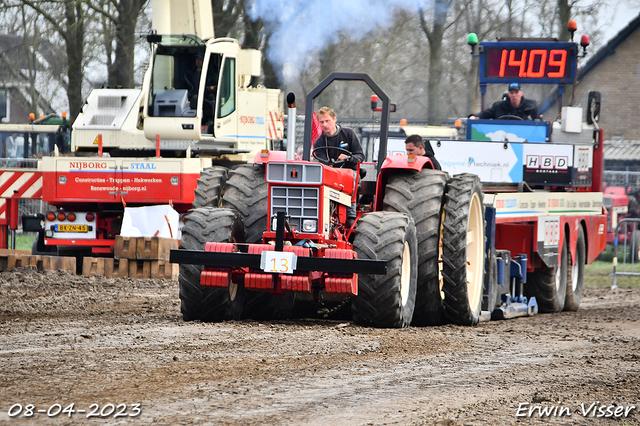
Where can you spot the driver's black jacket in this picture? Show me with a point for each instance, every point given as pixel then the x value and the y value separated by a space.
pixel 528 110
pixel 344 138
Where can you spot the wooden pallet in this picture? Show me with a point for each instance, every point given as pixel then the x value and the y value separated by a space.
pixel 144 248
pixel 11 259
pixel 136 257
pixel 133 268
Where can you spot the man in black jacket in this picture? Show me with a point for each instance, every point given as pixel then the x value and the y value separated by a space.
pixel 516 105
pixel 415 145
pixel 334 135
pixel 347 151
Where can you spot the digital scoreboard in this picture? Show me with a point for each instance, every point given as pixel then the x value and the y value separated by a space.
pixel 528 62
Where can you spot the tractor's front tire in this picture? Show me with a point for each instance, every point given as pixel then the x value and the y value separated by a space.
pixel 202 225
pixel 549 285
pixel 246 193
pixel 420 195
pixel 386 300
pixel 262 305
pixel 210 185
pixel 463 250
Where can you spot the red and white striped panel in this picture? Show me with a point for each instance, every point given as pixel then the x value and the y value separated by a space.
pixel 274 118
pixel 18 184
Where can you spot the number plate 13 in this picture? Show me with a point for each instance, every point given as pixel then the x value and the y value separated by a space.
pixel 279 262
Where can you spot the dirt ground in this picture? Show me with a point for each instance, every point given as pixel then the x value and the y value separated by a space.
pixel 119 347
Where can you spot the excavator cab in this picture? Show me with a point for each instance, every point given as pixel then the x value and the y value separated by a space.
pixel 182 92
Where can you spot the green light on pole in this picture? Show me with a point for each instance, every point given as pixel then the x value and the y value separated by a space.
pixel 472 40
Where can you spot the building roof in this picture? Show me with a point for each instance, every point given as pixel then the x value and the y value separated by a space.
pixel 621 150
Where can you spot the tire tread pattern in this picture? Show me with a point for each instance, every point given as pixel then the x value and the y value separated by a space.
pixel 542 285
pixel 574 297
pixel 420 195
pixel 459 194
pixel 210 186
pixel 246 193
pixel 199 302
pixel 382 236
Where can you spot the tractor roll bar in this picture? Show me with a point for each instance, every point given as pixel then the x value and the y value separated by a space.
pixel 384 119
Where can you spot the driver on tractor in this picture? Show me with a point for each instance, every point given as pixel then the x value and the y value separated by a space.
pixel 337 146
pixel 514 107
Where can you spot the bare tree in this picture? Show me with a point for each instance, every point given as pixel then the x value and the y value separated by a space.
pixel 70 25
pixel 227 14
pixel 435 35
pixel 256 36
pixel 121 17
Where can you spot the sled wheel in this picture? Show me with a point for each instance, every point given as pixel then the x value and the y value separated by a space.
pixel 575 278
pixel 549 285
pixel 490 294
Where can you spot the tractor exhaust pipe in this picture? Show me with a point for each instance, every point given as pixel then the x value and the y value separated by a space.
pixel 291 132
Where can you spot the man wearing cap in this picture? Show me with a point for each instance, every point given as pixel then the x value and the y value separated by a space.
pixel 515 105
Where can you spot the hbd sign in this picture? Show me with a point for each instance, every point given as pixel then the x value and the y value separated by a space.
pixel 548 162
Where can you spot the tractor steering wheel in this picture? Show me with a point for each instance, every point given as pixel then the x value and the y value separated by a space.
pixel 510 117
pixel 330 161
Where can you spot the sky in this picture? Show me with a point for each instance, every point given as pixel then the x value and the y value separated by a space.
pixel 625 12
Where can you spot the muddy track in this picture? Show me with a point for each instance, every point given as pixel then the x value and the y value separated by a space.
pixel 68 339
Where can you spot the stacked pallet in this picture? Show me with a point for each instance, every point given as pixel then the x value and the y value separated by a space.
pixel 10 259
pixel 136 257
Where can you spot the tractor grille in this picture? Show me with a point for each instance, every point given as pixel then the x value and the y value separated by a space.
pixel 297 202
pixel 294 173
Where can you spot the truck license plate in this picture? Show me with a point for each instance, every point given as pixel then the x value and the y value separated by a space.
pixel 278 262
pixel 72 228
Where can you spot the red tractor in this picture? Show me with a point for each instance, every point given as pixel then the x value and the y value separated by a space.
pixel 622 204
pixel 281 235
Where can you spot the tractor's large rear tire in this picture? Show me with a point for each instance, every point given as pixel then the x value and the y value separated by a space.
pixel 208 224
pixel 386 300
pixel 575 277
pixel 420 195
pixel 549 285
pixel 246 193
pixel 210 185
pixel 463 250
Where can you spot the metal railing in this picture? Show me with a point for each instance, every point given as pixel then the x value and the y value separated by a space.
pixel 624 178
pixel 19 163
pixel 627 230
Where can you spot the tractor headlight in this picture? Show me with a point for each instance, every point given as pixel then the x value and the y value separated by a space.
pixel 274 224
pixel 309 225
